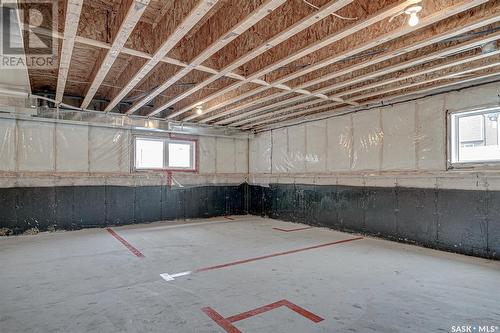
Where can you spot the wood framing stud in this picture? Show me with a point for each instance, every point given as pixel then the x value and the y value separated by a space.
pixel 478 42
pixel 294 29
pixel 264 10
pixel 189 22
pixel 420 91
pixel 73 11
pixel 349 30
pixel 134 13
pixel 391 35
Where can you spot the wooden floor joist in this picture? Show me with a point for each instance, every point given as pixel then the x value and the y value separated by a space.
pixel 248 65
pixel 300 108
pixel 386 100
pixel 289 112
pixel 478 42
pixel 349 30
pixel 73 11
pixel 143 55
pixel 303 24
pixel 427 21
pixel 329 106
pixel 190 21
pixel 383 57
pixel 242 26
pixel 133 11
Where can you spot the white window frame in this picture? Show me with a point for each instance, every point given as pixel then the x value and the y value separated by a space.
pixel 166 140
pixel 453 117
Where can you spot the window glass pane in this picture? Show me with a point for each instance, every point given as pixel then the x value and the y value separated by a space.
pixel 179 155
pixel 478 137
pixel 148 154
pixel 471 129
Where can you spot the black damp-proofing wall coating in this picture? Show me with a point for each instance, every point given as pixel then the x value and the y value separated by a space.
pixel 76 207
pixel 462 221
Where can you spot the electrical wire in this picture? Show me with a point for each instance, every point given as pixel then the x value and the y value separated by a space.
pixel 333 14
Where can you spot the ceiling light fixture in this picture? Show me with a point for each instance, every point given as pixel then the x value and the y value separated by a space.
pixel 413 11
pixel 199 110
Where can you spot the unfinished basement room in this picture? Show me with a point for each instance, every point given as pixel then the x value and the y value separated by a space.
pixel 250 166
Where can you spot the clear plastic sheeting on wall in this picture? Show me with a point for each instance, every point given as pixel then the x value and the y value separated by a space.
pixel 56 147
pixel 68 153
pixel 260 153
pixel 368 139
pixel 35 147
pixel 403 137
pixel 7 146
pixel 109 150
pixel 431 133
pixel 282 157
pixel 339 143
pixel 400 137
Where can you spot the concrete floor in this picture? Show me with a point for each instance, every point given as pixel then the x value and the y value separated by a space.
pixel 88 281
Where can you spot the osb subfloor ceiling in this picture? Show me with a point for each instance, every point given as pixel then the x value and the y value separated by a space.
pixel 253 63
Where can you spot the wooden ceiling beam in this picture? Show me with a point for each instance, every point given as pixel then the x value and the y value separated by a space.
pixel 411 85
pixel 72 18
pixel 349 30
pixel 397 33
pixel 477 42
pixel 326 10
pixel 189 22
pixel 409 76
pixel 144 55
pixel 132 15
pixel 360 98
pixel 261 12
pixel 436 68
pixel 415 93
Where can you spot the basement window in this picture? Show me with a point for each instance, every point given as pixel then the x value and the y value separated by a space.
pixel 475 137
pixel 165 154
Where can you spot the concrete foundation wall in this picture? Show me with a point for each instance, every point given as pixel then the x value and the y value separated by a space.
pixel 381 171
pixel 460 221
pixel 75 207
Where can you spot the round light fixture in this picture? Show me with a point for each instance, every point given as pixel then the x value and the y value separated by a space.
pixel 413 11
pixel 199 110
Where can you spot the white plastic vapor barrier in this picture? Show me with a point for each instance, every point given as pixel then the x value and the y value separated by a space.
pixel 260 153
pixel 35 147
pixel 7 148
pixel 399 137
pixel 339 143
pixel 410 136
pixel 315 146
pixel 31 146
pixel 430 131
pixel 72 157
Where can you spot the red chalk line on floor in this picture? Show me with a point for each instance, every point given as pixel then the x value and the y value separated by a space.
pixel 290 230
pixel 226 323
pixel 132 249
pixel 171 277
